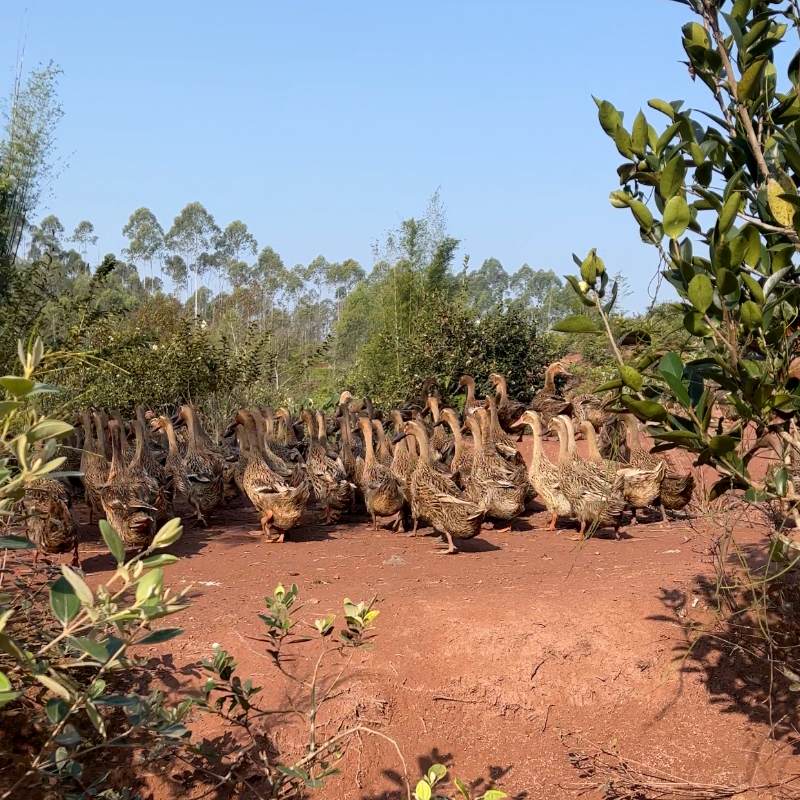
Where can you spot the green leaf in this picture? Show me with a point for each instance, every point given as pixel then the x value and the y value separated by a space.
pixel 7 406
pixel 169 534
pixel 5 683
pixel 754 286
pixel 64 601
pixel 113 542
pixel 609 385
pixel 729 212
pixel 610 118
pixel 494 794
pixel 97 650
pixel 423 791
pixel 726 281
pixel 96 719
pixel 781 481
pixel 578 324
pixel 663 106
pixel 622 139
pixel 161 635
pixel 721 445
pixel 149 584
pixel 16 543
pixel 639 134
pixel 677 436
pixel 438 771
pixel 672 178
pixel 17 387
pixel 642 214
pixel 7 697
pixel 631 377
pixel 54 686
pixel 676 217
pixel 48 429
pixel 667 136
pixel 701 293
pixel 159 560
pixel 671 369
pixel 751 315
pixel 574 283
pixel 750 80
pixel 83 592
pixel 462 788
pixel 57 710
pixel 645 409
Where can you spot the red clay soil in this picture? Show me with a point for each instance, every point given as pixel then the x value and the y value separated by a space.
pixel 485 661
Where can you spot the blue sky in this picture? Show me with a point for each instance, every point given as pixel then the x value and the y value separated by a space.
pixel 322 125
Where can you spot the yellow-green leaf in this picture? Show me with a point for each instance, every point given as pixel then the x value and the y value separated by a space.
pixel 782 210
pixel 751 79
pixel 631 378
pixel 729 212
pixel 676 217
pixel 751 315
pixel 701 293
pixel 672 177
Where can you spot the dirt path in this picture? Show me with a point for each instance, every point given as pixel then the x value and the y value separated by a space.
pixel 485 660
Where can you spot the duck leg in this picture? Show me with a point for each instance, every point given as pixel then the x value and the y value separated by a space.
pixel 374 522
pixel 553 522
pixel 634 517
pixel 664 517
pixel 451 548
pixel 76 562
pixel 582 531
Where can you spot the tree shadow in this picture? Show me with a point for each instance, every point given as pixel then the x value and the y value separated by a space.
pixel 747 654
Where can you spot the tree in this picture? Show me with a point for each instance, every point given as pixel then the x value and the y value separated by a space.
pixel 177 271
pixel 83 236
pixel 145 237
pixel 26 150
pixel 233 244
pixel 342 277
pixel 192 234
pixel 488 285
pixel 727 233
pixel 46 238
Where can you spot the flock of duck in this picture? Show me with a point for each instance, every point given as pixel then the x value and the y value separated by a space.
pixel 315 468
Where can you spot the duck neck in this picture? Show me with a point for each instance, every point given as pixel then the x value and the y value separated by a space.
pixel 633 430
pixel 550 380
pixel 570 438
pixel 537 438
pixel 101 436
pixel 591 441
pixel 563 443
pixel 117 469
pixel 258 421
pixel 369 447
pixel 172 439
pixel 502 391
pixel 88 439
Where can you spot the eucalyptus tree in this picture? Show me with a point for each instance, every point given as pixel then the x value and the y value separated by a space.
pixel 145 237
pixel 84 236
pixel 234 244
pixel 488 285
pixel 342 277
pixel 192 235
pixel 177 271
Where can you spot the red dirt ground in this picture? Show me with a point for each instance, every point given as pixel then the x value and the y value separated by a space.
pixel 485 660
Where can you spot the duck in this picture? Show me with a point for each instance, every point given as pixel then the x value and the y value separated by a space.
pixel 508 409
pixel 326 475
pixel 611 440
pixel 438 500
pixel 287 453
pixel 383 495
pixel 676 490
pixel 471 403
pixel 439 440
pixel 128 501
pixel 589 494
pixel 94 464
pixel 543 474
pixel 174 470
pixel 462 461
pixel 203 469
pixel 588 407
pixel 494 485
pixel 639 487
pixel 547 401
pixel 279 504
pixel 140 469
pixel 495 435
pixel 49 521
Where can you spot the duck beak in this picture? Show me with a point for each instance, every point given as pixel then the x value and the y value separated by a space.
pixel 437 424
pixel 399 438
pixel 520 422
